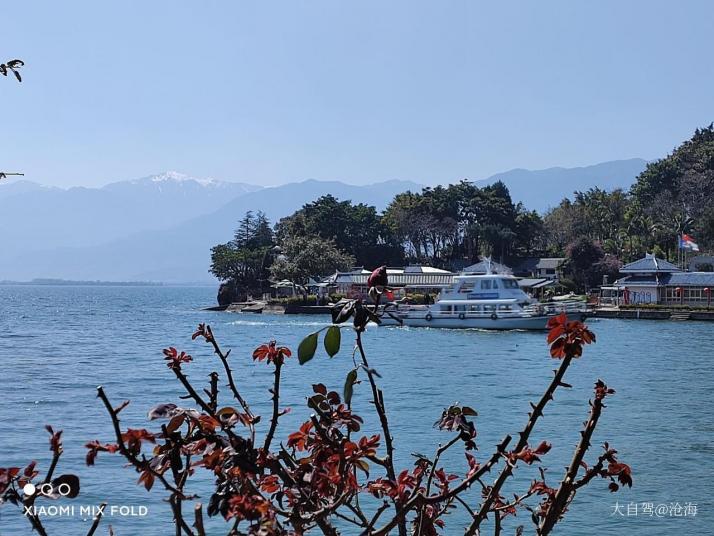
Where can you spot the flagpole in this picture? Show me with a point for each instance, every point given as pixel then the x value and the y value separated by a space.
pixel 684 262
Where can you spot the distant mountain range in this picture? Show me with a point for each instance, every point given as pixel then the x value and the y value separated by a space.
pixel 161 227
pixel 38 217
pixel 545 188
pixel 158 251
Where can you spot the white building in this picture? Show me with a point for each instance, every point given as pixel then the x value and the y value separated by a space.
pixel 407 280
pixel 655 281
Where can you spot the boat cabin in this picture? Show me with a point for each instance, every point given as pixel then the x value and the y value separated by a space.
pixel 492 290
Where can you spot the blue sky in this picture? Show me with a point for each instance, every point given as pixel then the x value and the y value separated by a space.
pixel 275 92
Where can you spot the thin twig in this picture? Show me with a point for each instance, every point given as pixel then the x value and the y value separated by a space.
pixel 375 518
pixel 231 384
pixel 97 519
pixel 276 406
pixel 198 516
pixel 418 498
pixel 133 460
pixel 514 503
pixel 567 487
pixel 378 401
pixel 434 464
pixel 53 465
pixel 524 435
pixel 213 393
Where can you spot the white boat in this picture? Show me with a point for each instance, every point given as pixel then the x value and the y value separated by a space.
pixel 487 301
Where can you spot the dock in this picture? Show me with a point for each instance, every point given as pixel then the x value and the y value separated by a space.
pixel 647 313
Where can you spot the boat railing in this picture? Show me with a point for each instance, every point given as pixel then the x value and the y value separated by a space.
pixel 536 309
pixel 435 313
pixel 551 308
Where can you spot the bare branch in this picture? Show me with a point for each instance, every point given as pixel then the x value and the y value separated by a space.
pixel 97 519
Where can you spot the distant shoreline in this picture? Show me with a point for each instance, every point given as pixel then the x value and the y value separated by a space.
pixel 69 282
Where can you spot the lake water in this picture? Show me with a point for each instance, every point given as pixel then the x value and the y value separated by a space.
pixel 58 343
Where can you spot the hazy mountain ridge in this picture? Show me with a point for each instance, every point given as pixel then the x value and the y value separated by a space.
pixel 544 188
pixel 161 227
pixel 36 217
pixel 182 253
pixel 21 186
pixel 173 181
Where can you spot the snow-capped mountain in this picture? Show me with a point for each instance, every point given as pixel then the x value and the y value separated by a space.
pixel 36 217
pixel 181 253
pixel 162 227
pixel 13 187
pixel 173 181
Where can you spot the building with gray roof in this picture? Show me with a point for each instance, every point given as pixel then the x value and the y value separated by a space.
pixel 651 280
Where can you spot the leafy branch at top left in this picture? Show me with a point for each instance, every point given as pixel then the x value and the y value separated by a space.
pixel 12 66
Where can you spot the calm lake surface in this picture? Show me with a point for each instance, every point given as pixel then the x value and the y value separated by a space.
pixel 58 343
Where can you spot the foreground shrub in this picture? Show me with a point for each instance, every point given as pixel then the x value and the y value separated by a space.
pixel 328 475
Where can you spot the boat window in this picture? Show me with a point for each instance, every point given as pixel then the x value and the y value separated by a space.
pixel 467 287
pixel 486 284
pixel 489 308
pixel 510 283
pixel 475 308
pixel 504 308
pixel 446 308
pixel 495 283
pixel 459 308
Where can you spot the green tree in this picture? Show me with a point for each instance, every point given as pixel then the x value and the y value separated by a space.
pixel 305 257
pixel 243 261
pixel 677 192
pixel 582 254
pixel 529 232
pixel 444 224
pixel 355 229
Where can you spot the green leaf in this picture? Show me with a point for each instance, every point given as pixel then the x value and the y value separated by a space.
pixel 361 464
pixel 349 385
pixel 307 348
pixel 466 410
pixel 175 423
pixel 332 340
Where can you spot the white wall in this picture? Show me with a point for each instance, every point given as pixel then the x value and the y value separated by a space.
pixel 642 294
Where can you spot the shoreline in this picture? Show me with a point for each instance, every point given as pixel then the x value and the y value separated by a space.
pixel 624 314
pixel 655 314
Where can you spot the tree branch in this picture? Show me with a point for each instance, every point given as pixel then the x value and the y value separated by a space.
pixel 276 406
pixel 418 498
pixel 378 401
pixel 133 460
pixel 198 516
pixel 524 435
pixel 97 519
pixel 567 488
pixel 229 374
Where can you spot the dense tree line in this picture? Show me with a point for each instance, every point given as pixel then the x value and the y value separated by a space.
pixel 453 226
pixel 460 222
pixel 671 197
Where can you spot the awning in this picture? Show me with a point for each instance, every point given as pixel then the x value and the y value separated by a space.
pixel 478 302
pixel 531 282
pixel 544 284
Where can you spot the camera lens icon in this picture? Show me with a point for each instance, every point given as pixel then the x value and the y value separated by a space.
pixel 52 491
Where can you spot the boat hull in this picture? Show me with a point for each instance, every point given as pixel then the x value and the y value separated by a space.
pixel 500 323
